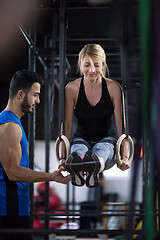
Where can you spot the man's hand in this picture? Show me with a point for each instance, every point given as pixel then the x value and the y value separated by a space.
pixel 58 177
pixel 125 164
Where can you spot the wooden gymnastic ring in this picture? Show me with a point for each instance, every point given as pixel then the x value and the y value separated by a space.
pixel 118 146
pixel 66 143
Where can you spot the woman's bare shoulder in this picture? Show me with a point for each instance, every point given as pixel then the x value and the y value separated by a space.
pixel 112 84
pixel 114 88
pixel 73 85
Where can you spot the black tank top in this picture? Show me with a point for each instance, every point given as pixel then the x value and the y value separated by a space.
pixel 94 122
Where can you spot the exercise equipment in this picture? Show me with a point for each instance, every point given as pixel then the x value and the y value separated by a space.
pixel 38 201
pixel 42 189
pixel 65 140
pixel 125 135
pixel 38 224
pixel 54 201
pixel 118 146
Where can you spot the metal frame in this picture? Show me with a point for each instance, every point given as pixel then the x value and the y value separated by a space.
pixel 34 54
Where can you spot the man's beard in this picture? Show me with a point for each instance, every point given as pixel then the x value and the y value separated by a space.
pixel 25 107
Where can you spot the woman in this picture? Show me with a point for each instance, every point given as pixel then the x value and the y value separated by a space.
pixel 96 102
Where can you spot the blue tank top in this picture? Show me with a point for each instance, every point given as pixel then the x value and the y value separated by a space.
pixel 14 196
pixel 95 122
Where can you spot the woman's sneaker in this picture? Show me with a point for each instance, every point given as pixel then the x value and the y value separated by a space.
pixel 74 165
pixel 91 166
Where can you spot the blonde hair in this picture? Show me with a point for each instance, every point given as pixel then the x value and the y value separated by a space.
pixel 94 51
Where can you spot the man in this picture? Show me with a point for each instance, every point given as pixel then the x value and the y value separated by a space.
pixel 15 174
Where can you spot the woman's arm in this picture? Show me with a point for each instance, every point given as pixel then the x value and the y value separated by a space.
pixel 70 102
pixel 116 97
pixel 69 108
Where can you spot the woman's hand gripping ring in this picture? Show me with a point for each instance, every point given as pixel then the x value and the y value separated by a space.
pixel 118 147
pixel 63 138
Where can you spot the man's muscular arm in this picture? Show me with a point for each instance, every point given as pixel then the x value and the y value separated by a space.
pixel 10 156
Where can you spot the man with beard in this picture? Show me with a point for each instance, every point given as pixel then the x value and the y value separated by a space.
pixel 15 174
